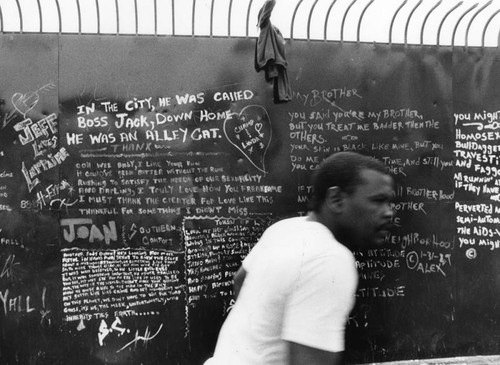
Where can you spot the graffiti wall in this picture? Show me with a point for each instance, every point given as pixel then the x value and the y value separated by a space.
pixel 137 173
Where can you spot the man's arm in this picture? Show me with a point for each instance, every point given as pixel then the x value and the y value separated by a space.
pixel 301 354
pixel 238 280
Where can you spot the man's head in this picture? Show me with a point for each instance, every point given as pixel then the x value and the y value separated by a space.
pixel 352 196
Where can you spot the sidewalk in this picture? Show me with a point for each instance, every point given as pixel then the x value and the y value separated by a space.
pixel 473 360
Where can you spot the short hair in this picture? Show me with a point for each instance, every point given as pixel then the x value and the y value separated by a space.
pixel 341 169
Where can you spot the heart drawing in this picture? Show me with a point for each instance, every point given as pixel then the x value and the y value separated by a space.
pixel 250 132
pixel 25 102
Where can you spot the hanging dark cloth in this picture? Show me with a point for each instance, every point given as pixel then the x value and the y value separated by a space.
pixel 270 54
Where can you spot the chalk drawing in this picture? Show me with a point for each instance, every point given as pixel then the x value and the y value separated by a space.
pixel 250 132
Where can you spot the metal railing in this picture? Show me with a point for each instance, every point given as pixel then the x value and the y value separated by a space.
pixel 223 15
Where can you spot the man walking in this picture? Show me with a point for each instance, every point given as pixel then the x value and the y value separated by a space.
pixel 297 286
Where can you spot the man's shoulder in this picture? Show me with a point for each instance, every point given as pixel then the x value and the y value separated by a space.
pixel 291 223
pixel 285 232
pixel 301 226
pixel 311 235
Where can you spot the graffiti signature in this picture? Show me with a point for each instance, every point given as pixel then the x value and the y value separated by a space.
pixel 146 338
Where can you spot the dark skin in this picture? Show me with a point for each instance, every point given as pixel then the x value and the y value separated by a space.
pixel 300 355
pixel 362 217
pixel 355 219
pixel 238 280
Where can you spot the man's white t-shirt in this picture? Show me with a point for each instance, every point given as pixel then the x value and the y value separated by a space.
pixel 299 287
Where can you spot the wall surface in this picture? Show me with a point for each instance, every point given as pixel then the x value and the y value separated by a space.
pixel 137 172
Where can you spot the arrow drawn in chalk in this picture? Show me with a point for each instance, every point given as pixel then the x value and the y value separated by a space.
pixel 23 103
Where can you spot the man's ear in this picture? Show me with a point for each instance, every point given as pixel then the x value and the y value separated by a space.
pixel 335 199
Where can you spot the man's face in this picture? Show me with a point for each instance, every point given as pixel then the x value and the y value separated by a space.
pixel 368 212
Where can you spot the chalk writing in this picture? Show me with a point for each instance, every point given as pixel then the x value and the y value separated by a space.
pixel 250 132
pixel 428 262
pixel 315 97
pixel 477 170
pixel 31 173
pixel 378 292
pixel 214 249
pixel 79 228
pixel 424 242
pixel 110 124
pixel 31 131
pixel 13 303
pixel 11 241
pixel 476 153
pixel 104 330
pixel 95 282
